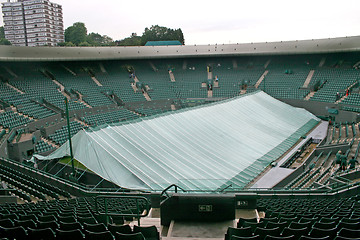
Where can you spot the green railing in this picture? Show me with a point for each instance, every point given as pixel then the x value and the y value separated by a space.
pixel 108 213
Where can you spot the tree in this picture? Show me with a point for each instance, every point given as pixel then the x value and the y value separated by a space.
pixel 133 40
pixel 2 32
pixel 3 40
pixel 158 33
pixel 84 44
pixel 95 39
pixel 76 33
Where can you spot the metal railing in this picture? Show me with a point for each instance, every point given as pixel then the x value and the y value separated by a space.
pixel 108 213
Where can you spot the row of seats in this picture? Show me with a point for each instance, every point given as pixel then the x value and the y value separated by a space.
pixel 109 117
pixel 302 219
pixel 42 146
pixel 11 119
pixel 25 181
pixel 61 135
pixel 76 230
pixel 74 218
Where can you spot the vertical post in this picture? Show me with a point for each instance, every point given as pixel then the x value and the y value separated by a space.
pixel 264 82
pixel 137 211
pixel 69 136
pixel 106 211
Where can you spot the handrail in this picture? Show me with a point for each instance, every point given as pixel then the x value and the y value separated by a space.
pixel 225 188
pixel 136 215
pixel 164 192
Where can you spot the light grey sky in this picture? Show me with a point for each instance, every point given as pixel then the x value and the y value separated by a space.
pixel 226 21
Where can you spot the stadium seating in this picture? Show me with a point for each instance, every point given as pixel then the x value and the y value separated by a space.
pixel 61 136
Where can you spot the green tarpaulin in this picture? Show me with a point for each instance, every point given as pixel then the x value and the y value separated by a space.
pixel 202 148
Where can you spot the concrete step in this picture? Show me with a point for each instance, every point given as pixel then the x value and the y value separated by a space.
pixel 15 88
pixel 267 63
pixel 310 95
pixel 96 81
pixel 322 62
pixel 172 77
pixel 261 78
pixel 198 230
pixel 308 78
pixel 69 70
pixel 59 84
pixel 102 68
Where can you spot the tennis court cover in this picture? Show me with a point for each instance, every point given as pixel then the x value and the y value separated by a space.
pixel 202 148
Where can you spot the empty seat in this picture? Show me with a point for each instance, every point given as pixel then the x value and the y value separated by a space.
pixel 255 237
pixel 350 220
pixel 298 225
pixel 98 227
pixel 254 225
pixel 349 233
pixel 41 234
pixel 325 225
pixel 280 225
pixel 25 223
pixel 318 232
pixel 67 219
pixel 70 226
pixel 51 224
pixel 269 219
pixel 130 236
pixel 150 233
pixel 292 237
pixel 89 220
pixel 328 220
pixel 344 238
pixel 296 232
pixel 18 232
pixel 47 218
pixel 28 217
pixel 6 223
pixel 354 225
pixel 125 229
pixel 241 221
pixel 105 235
pixel 241 232
pixel 314 238
pixel 69 234
pixel 263 232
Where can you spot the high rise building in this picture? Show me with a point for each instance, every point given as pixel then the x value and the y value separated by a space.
pixel 33 22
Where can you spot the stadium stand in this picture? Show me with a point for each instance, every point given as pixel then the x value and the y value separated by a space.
pixel 316 199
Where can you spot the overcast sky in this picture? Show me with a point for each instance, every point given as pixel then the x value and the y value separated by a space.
pixel 224 21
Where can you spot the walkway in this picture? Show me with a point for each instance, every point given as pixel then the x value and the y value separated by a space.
pixel 277 173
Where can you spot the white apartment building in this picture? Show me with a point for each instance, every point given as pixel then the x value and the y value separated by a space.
pixel 33 22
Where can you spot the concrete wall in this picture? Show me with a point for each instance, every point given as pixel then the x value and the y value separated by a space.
pixel 330 45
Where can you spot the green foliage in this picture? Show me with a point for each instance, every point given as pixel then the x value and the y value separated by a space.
pixel 69 44
pixel 133 40
pixel 61 44
pixel 95 39
pixel 158 33
pixel 76 33
pixel 3 40
pixel 84 44
pixel 2 33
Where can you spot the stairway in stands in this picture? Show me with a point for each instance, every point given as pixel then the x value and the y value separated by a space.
pixel 261 78
pixel 308 78
pixel 310 95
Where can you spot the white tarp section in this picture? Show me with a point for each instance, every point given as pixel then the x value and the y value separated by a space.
pixel 207 148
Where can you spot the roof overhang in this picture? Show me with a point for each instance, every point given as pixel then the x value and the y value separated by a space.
pixel 330 45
